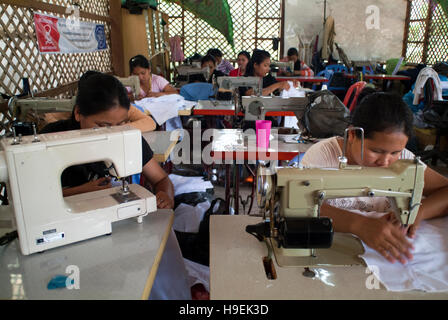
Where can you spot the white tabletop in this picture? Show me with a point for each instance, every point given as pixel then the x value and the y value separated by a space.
pixel 122 265
pixel 236 143
pixel 161 143
pixel 237 272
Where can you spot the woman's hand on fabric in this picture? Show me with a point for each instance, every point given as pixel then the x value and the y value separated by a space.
pixel 386 236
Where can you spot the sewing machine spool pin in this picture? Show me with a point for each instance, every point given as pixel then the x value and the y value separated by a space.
pixel 343 159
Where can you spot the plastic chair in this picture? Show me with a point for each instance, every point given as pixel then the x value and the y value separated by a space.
pixel 324 73
pixel 337 68
pixel 351 97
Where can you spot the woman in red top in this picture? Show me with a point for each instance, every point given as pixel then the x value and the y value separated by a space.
pixel 242 60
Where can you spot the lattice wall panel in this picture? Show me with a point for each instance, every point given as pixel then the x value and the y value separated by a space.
pixel 249 30
pixel 432 47
pixel 19 55
pixel 438 42
pixel 99 7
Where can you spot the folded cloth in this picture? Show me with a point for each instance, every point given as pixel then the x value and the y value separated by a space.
pixel 189 184
pixel 162 108
pixel 427 271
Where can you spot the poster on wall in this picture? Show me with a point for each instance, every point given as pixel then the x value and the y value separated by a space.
pixel 60 35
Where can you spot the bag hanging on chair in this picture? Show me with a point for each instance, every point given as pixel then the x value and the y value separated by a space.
pixel 325 116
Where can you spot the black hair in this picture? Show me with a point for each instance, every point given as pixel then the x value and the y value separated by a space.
pixel 207 58
pixel 100 92
pixel 139 61
pixel 244 53
pixel 214 52
pixel 86 75
pixel 258 56
pixel 381 111
pixel 364 93
pixel 292 52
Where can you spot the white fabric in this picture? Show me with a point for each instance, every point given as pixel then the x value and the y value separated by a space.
pixel 189 184
pixel 292 92
pixel 324 154
pixel 423 76
pixel 198 273
pixel 172 280
pixel 187 218
pixel 162 108
pixel 427 271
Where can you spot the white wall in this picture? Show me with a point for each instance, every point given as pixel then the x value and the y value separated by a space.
pixel 359 42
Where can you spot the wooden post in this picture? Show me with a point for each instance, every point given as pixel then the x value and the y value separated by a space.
pixel 116 38
pixel 427 33
pixel 406 29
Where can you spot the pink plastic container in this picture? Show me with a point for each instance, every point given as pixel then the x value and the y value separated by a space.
pixel 263 132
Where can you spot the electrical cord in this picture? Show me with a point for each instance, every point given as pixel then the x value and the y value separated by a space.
pixel 8 237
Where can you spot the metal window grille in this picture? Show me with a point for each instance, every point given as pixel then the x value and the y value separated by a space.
pixel 426 32
pixel 255 24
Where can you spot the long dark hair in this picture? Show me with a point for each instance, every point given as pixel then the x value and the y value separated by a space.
pixel 380 111
pixel 258 56
pixel 100 92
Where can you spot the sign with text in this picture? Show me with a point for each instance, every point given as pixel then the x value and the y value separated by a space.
pixel 60 35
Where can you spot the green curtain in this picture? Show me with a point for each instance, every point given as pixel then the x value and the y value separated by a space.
pixel 215 12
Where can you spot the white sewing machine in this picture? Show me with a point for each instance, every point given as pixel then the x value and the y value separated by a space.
pixel 292 198
pixel 32 167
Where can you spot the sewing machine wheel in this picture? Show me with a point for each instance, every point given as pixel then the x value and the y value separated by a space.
pixel 264 185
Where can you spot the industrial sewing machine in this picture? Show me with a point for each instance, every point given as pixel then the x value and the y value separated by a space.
pixel 276 65
pixel 32 167
pixel 133 82
pixel 19 108
pixel 292 197
pixel 232 84
pixel 185 72
pixel 255 108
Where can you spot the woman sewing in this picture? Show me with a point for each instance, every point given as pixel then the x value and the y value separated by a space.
pixel 242 60
pixel 103 101
pixel 151 85
pixel 387 123
pixel 259 66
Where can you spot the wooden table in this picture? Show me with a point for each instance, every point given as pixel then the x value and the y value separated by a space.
pixel 161 143
pixel 237 272
pixel 120 266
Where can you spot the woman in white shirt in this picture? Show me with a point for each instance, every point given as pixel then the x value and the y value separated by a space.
pixel 387 124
